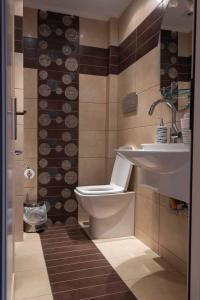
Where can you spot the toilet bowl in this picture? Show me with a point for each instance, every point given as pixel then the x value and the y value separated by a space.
pixel 110 207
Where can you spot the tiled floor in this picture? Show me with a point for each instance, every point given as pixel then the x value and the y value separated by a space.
pixel 147 275
pixel 31 278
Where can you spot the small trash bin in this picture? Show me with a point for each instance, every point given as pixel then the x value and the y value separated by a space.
pixel 35 216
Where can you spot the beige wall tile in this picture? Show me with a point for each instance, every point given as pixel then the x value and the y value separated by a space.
pixel 31 163
pixel 127 81
pixel 111 144
pixel 30 22
pixel 113 32
pixel 19 210
pixel 136 12
pixel 92 116
pixel 137 136
pixel 93 33
pixel 19 178
pixel 185 44
pixel 18 8
pixel 112 83
pixel 30 83
pixel 19 143
pixel 141 117
pixel 30 118
pixel 147 240
pixel 31 193
pixel 112 116
pixel 176 262
pixel 147 216
pixel 30 143
pixel 92 143
pixel 18 70
pixel 173 232
pixel 148 70
pixel 19 94
pixel 92 88
pixel 91 171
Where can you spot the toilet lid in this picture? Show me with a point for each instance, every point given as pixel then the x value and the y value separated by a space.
pixel 121 172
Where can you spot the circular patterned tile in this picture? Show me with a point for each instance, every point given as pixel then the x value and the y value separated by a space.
pixel 43 14
pixel 172 73
pixel 58 177
pixel 67 20
pixel 43 163
pixel 59 32
pixel 43 74
pixel 43 134
pixel 59 148
pixel 59 91
pixel 71 64
pixel 71 149
pixel 173 60
pixel 71 121
pixel 66 108
pixel 59 120
pixel 44 60
pixel 44 178
pixel 44 120
pixel 71 93
pixel 71 35
pixel 70 205
pixel 43 192
pixel 58 205
pixel 44 90
pixel 66 193
pixel 172 47
pixel 66 165
pixel 43 104
pixel 66 50
pixel 66 136
pixel 59 61
pixel 71 177
pixel 66 79
pixel 71 220
pixel 44 149
pixel 43 45
pixel 44 30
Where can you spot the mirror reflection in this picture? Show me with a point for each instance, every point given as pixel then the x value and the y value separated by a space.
pixel 176 52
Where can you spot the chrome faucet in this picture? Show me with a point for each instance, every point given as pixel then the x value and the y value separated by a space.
pixel 174 132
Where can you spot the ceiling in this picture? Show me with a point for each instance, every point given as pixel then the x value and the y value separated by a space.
pixel 95 9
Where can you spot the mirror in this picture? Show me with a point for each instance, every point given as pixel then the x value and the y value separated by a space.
pixel 176 52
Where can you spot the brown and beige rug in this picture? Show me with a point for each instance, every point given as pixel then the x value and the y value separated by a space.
pixel 77 269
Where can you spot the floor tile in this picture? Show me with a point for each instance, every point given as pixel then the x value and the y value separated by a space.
pixel 33 283
pixel 165 285
pixel 45 297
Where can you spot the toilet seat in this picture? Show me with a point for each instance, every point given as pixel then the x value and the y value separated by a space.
pixel 100 189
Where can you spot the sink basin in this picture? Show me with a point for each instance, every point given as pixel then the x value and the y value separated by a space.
pixel 159 158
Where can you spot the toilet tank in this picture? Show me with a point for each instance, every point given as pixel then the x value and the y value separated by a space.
pixel 121 172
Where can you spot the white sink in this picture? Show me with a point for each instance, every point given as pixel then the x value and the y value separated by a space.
pixel 159 158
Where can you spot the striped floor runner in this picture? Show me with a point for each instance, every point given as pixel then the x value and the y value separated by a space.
pixel 77 269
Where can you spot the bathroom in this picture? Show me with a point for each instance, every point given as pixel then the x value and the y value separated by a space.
pixel 95 85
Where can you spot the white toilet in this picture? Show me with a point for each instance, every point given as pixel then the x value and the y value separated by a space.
pixel 110 207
